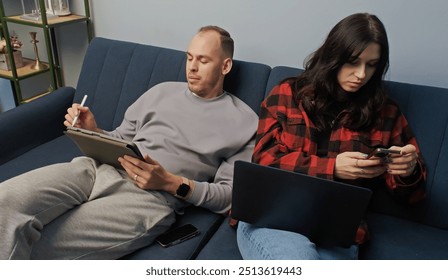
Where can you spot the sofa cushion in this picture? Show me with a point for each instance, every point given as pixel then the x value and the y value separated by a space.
pixel 425 110
pixel 60 149
pixel 399 239
pixel 204 220
pixel 279 73
pixel 247 81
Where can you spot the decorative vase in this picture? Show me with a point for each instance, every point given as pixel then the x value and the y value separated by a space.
pixel 4 60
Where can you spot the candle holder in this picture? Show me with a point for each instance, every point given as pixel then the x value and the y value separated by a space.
pixel 57 7
pixel 37 64
pixel 31 10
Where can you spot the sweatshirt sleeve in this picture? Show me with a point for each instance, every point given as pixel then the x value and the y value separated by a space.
pixel 217 195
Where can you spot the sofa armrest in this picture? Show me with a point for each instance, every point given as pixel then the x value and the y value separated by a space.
pixel 30 125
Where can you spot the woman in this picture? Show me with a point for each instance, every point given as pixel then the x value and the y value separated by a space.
pixel 325 123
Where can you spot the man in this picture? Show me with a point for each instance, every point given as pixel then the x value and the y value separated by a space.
pixel 190 133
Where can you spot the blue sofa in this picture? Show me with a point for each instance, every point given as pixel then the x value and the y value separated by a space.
pixel 116 73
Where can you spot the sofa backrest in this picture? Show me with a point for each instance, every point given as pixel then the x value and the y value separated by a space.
pixel 425 109
pixel 278 74
pixel 115 73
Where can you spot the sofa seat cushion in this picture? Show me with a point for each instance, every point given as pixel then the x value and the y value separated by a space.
pixel 222 246
pixel 399 239
pixel 60 149
pixel 207 223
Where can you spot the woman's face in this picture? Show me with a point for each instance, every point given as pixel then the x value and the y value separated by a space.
pixel 358 71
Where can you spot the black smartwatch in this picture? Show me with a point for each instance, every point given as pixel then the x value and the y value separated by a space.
pixel 183 189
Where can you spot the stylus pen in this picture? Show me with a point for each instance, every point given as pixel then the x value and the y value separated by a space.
pixel 81 105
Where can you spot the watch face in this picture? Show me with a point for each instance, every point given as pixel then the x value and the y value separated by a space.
pixel 183 190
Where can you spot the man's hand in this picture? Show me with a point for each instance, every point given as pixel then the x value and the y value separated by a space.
pixel 150 175
pixel 86 118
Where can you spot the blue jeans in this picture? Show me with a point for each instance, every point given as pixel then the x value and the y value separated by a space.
pixel 257 243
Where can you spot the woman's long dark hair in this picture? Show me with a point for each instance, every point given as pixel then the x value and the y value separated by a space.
pixel 318 85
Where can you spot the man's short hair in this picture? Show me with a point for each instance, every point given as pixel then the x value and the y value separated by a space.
pixel 227 44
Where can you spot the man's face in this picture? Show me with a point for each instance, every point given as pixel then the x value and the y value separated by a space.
pixel 206 64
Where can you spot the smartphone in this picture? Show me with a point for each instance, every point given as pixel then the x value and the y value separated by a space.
pixel 381 152
pixel 177 235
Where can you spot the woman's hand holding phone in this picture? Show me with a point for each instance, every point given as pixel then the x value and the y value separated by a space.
pixel 404 163
pixel 396 160
pixel 355 165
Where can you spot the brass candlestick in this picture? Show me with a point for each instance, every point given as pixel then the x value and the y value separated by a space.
pixel 37 64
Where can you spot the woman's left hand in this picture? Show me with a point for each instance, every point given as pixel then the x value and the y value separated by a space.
pixel 403 164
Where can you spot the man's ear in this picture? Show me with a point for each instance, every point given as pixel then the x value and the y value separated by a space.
pixel 227 66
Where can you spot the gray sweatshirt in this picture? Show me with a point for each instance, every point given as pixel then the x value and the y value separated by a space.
pixel 193 137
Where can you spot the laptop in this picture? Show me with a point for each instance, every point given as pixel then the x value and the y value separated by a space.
pixel 327 212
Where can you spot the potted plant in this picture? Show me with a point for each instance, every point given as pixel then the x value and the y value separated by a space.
pixel 17 54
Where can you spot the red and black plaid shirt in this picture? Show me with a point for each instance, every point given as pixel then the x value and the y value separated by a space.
pixel 287 139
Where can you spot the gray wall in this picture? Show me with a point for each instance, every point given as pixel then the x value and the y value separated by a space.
pixel 279 32
pixel 284 32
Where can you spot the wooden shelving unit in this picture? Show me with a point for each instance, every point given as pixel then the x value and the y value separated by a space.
pixel 15 75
